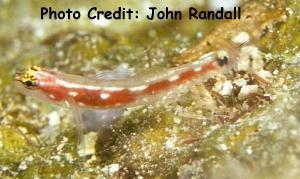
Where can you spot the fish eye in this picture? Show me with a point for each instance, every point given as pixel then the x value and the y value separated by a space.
pixel 28 83
pixel 28 78
pixel 222 58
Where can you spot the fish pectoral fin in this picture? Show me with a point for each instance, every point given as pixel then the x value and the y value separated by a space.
pixel 77 118
pixel 98 120
pixel 101 121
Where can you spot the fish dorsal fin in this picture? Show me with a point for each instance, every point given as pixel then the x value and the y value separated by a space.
pixel 120 73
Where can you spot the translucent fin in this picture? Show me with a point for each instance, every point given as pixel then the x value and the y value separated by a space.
pixel 101 122
pixel 202 96
pixel 97 120
pixel 89 122
pixel 120 73
pixel 197 103
pixel 77 118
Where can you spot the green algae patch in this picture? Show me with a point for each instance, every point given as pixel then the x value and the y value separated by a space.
pixel 286 39
pixel 13 145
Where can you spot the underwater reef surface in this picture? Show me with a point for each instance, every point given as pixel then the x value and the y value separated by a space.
pixel 242 124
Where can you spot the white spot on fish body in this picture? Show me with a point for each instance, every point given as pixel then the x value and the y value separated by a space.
pixel 104 95
pixel 75 85
pixel 41 83
pixel 51 96
pixel 81 104
pixel 198 69
pixel 174 78
pixel 138 88
pixel 73 93
pixel 112 88
pixel 198 62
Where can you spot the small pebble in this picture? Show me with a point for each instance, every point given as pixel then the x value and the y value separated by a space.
pixel 226 88
pixel 246 90
pixel 87 146
pixel 240 82
pixel 241 38
pixel 111 169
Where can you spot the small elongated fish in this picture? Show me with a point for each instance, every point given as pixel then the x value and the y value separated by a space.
pixel 109 92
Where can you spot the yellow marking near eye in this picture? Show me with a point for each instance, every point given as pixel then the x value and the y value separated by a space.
pixel 29 75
